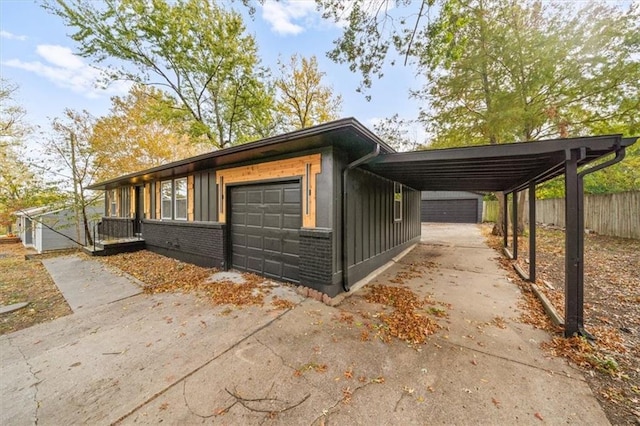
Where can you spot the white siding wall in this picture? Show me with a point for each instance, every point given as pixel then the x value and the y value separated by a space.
pixel 62 222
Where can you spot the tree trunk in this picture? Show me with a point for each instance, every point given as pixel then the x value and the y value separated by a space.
pixel 87 231
pixel 74 174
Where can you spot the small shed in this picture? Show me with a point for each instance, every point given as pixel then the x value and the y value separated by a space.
pixel 451 207
pixel 48 229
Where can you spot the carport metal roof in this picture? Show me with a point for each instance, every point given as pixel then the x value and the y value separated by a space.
pixel 491 168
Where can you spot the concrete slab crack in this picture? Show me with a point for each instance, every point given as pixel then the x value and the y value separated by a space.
pixel 195 370
pixel 323 418
pixel 274 353
pixel 34 385
pixel 537 367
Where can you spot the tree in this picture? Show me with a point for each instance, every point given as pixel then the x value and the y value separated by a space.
pixel 303 100
pixel 12 126
pixel 194 49
pixel 20 186
pixel 70 149
pixel 137 134
pixel 398 133
pixel 621 177
pixel 502 72
pixel 523 71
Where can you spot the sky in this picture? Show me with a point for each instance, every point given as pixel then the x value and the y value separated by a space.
pixel 37 54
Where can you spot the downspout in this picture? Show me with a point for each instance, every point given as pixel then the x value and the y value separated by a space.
pixel 345 174
pixel 620 154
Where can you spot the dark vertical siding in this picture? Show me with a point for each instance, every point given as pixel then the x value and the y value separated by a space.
pixel 339 164
pixel 369 215
pixel 213 197
pixel 205 197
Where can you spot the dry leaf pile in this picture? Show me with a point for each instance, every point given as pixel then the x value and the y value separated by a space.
pixel 160 274
pixel 405 322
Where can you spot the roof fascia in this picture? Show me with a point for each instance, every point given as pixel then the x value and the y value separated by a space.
pixel 332 126
pixel 505 150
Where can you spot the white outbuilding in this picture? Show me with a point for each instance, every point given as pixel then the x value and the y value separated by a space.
pixel 48 229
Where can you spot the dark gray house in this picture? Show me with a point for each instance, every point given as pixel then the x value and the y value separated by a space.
pixel 451 207
pixel 295 207
pixel 325 206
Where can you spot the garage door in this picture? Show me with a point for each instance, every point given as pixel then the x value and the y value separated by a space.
pixel 265 223
pixel 452 211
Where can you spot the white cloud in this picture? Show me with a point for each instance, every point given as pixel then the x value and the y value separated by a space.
pixel 11 36
pixel 282 15
pixel 66 70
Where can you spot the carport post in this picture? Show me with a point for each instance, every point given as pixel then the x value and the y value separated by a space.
pixel 573 258
pixel 580 255
pixel 505 221
pixel 532 232
pixel 514 202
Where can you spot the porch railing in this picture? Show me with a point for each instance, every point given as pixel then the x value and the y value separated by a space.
pixel 116 228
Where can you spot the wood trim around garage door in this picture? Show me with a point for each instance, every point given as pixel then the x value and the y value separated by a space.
pixel 281 169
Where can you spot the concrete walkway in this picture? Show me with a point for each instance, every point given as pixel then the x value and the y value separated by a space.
pixel 87 283
pixel 176 359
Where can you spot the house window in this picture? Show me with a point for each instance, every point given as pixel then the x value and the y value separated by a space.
pixel 165 206
pixel 113 203
pixel 180 198
pixel 397 202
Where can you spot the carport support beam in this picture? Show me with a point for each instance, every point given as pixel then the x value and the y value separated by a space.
pixel 573 304
pixel 514 202
pixel 532 232
pixel 505 221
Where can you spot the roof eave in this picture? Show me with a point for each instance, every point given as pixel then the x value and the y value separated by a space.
pixel 321 129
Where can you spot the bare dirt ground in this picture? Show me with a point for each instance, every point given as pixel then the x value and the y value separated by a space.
pixel 611 309
pixel 24 280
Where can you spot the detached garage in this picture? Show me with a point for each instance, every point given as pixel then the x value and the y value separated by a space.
pixel 451 207
pixel 47 229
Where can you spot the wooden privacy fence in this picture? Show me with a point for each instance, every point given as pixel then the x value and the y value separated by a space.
pixel 617 215
pixel 490 211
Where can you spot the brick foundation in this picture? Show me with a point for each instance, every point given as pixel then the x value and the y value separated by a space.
pixel 316 267
pixel 201 243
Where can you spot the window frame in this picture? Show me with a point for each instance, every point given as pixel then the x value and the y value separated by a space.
pixel 185 199
pixel 397 202
pixel 163 198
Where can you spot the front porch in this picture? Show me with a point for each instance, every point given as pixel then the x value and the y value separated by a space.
pixel 113 235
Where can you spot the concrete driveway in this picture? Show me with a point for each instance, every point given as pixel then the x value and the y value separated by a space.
pixel 175 359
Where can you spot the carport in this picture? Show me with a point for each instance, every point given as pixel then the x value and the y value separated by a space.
pixel 509 169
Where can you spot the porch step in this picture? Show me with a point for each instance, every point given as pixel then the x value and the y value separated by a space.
pixel 98 250
pixel 115 247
